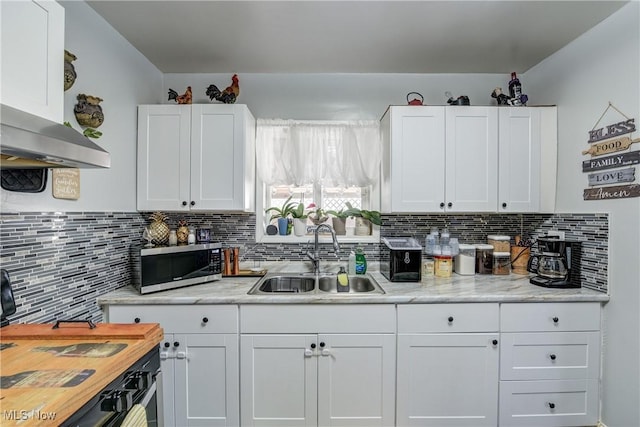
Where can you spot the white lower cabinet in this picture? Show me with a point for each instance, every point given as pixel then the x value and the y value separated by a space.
pixel 340 372
pixel 447 371
pixel 549 364
pixel 199 361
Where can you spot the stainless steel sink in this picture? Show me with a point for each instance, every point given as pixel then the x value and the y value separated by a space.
pixel 311 284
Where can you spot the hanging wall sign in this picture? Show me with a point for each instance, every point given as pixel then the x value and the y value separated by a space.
pixel 66 183
pixel 611 162
pixel 613 177
pixel 607 140
pixel 610 146
pixel 617 192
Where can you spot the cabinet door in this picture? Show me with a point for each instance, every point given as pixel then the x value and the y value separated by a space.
pixel 33 31
pixel 166 409
pixel 519 159
pixel 414 159
pixel 447 380
pixel 471 183
pixel 206 380
pixel 356 385
pixel 163 157
pixel 279 380
pixel 222 157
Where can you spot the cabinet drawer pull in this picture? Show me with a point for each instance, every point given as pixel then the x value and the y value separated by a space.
pixel 184 203
pixel 313 345
pixel 205 320
pixel 167 345
pixel 504 205
pixel 136 320
pixel 450 319
pixel 552 356
pixel 449 204
pixel 322 344
pixel 192 203
pixel 494 342
pixel 441 205
pixel 555 320
pixel 176 344
pixel 552 405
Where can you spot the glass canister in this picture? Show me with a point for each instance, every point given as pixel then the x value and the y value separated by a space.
pixel 428 267
pixel 465 261
pixel 500 243
pixel 484 259
pixel 501 263
pixel 443 265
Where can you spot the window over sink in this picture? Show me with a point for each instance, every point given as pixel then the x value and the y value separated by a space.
pixel 318 169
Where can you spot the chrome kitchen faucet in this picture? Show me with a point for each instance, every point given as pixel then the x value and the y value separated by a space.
pixel 315 256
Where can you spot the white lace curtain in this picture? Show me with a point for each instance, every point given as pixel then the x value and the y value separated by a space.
pixel 293 152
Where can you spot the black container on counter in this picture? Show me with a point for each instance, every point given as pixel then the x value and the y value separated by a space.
pixel 400 259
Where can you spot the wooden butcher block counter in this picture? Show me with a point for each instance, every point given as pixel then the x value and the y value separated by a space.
pixel 48 374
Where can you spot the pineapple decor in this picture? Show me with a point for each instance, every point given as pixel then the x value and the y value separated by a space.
pixel 183 231
pixel 158 229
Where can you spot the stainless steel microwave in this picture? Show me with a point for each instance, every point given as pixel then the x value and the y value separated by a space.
pixel 169 267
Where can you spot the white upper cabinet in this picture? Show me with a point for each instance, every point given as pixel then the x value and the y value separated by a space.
pixel 468 159
pixel 471 175
pixel 527 157
pixel 196 157
pixel 414 159
pixel 33 57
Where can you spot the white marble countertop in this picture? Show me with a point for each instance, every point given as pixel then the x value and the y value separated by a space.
pixel 477 288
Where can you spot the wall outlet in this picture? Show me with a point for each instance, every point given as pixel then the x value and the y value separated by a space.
pixel 560 234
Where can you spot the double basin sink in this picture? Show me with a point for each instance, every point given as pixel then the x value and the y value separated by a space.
pixel 306 283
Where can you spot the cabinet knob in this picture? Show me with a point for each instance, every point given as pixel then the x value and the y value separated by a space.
pixel 450 319
pixel 555 320
pixel 166 345
pixel 449 204
pixel 552 405
pixel 136 320
pixel 504 205
pixel 322 344
pixel 552 356
pixel 176 344
pixel 184 203
pixel 192 203
pixel 494 342
pixel 205 320
pixel 442 205
pixel 313 345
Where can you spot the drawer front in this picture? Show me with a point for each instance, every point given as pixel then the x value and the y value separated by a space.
pixel 311 318
pixel 194 318
pixel 550 355
pixel 426 318
pixel 546 317
pixel 549 403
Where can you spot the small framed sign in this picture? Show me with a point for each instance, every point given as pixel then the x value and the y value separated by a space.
pixel 66 183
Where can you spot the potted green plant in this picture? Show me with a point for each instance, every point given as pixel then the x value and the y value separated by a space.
pixel 299 220
pixel 364 218
pixel 339 221
pixel 317 215
pixel 282 214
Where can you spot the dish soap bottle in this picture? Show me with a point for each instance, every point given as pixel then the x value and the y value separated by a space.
pixel 352 263
pixel 361 262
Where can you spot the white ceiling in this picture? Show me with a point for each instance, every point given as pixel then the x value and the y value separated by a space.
pixel 351 36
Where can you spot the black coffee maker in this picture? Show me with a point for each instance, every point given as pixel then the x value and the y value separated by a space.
pixel 557 264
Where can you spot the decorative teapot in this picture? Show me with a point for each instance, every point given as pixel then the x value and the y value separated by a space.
pixel 415 101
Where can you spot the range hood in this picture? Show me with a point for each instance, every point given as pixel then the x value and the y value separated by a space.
pixel 28 141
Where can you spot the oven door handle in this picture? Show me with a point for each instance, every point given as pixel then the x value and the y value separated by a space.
pixel 149 395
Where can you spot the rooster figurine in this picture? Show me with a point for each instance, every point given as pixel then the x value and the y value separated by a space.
pixel 185 98
pixel 227 96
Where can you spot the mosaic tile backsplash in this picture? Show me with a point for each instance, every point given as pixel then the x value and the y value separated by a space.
pixel 60 262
